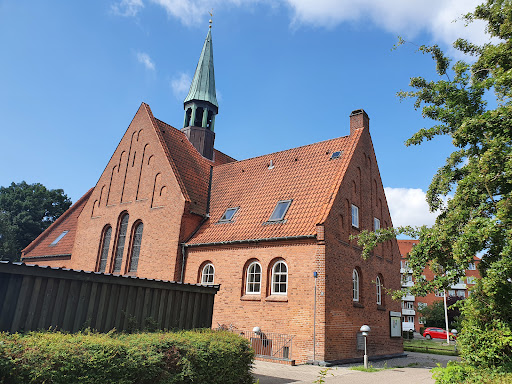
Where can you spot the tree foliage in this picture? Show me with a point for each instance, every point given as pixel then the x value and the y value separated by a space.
pixel 476 182
pixel 26 210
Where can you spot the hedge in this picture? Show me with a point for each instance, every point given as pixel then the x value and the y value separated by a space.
pixel 203 356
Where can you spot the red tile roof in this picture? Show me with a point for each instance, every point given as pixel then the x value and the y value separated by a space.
pixel 192 169
pixel 66 222
pixel 307 175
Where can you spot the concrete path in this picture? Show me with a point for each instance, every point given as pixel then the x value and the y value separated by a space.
pixel 415 368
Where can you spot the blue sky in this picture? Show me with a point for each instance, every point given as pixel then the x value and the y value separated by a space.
pixel 288 73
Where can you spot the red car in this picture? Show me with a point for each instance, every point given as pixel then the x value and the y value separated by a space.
pixel 437 333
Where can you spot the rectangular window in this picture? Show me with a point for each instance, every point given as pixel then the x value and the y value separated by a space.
pixel 451 292
pixel 407 305
pixel 355 216
pixel 228 215
pixel 422 320
pixel 376 224
pixel 280 210
pixel 439 294
pixel 471 266
pixel 59 238
pixel 421 306
pixel 471 280
pixel 461 293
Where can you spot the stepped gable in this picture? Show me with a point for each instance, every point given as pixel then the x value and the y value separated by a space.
pixel 41 247
pixel 306 175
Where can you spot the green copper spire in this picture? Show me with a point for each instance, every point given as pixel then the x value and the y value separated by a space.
pixel 203 84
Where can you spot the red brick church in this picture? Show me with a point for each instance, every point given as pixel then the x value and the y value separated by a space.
pixel 271 230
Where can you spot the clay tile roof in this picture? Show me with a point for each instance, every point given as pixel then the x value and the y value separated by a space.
pixel 66 222
pixel 192 168
pixel 307 175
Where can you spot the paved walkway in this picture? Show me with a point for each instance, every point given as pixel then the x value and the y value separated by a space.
pixel 415 368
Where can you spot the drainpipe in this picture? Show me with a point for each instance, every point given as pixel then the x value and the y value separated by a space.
pixel 206 217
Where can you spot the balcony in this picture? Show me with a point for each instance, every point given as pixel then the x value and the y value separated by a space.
pixel 407 283
pixel 409 312
pixel 405 270
pixel 458 286
pixel 407 326
pixel 408 298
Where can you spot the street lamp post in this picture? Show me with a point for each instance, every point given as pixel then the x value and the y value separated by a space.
pixel 365 330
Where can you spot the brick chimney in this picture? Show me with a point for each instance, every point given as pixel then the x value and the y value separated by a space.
pixel 359 119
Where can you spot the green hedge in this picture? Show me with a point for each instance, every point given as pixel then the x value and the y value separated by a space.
pixel 204 356
pixel 461 373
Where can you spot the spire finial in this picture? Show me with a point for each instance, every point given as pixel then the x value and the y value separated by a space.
pixel 211 17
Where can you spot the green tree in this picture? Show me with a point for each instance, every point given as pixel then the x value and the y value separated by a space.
pixel 26 210
pixel 476 181
pixel 433 314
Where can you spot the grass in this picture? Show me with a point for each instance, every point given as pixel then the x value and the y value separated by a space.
pixel 370 368
pixel 430 346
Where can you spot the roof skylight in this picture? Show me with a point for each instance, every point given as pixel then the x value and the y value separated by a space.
pixel 280 210
pixel 336 155
pixel 59 238
pixel 228 215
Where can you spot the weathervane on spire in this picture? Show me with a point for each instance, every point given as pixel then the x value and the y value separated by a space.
pixel 211 17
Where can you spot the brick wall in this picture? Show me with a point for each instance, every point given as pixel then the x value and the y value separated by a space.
pixel 290 314
pixel 362 187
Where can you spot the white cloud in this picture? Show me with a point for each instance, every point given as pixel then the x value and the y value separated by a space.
pixel 146 60
pixel 180 85
pixel 409 207
pixel 127 8
pixel 402 17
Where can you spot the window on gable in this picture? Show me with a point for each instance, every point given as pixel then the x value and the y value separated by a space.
pixel 228 215
pixel 121 237
pixel 279 278
pixel 355 285
pixel 136 243
pixel 355 216
pixel 104 246
pixel 253 285
pixel 59 238
pixel 379 290
pixel 376 224
pixel 280 210
pixel 471 266
pixel 208 274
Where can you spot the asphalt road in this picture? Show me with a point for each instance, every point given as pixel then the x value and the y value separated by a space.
pixel 415 368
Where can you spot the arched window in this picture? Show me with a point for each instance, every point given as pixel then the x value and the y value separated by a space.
pixel 279 278
pixel 378 284
pixel 104 245
pixel 355 285
pixel 208 274
pixel 121 237
pixel 136 241
pixel 253 285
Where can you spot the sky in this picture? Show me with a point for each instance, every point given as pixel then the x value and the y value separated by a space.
pixel 288 73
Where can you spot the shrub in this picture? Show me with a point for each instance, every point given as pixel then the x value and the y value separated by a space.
pixel 156 358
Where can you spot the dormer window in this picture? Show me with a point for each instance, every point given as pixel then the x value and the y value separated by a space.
pixel 228 215
pixel 280 210
pixel 59 238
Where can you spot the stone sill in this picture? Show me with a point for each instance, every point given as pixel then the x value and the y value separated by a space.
pixel 277 298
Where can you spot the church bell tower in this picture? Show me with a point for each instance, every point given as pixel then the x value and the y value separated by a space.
pixel 201 103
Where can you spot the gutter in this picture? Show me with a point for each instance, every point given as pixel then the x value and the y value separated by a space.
pixel 250 241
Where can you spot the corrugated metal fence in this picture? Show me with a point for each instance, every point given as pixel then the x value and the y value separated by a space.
pixel 33 298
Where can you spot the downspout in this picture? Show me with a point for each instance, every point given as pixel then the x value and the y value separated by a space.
pixel 206 217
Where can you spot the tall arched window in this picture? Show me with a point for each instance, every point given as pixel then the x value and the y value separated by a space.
pixel 121 238
pixel 378 284
pixel 355 285
pixel 208 274
pixel 253 285
pixel 136 242
pixel 104 246
pixel 279 278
